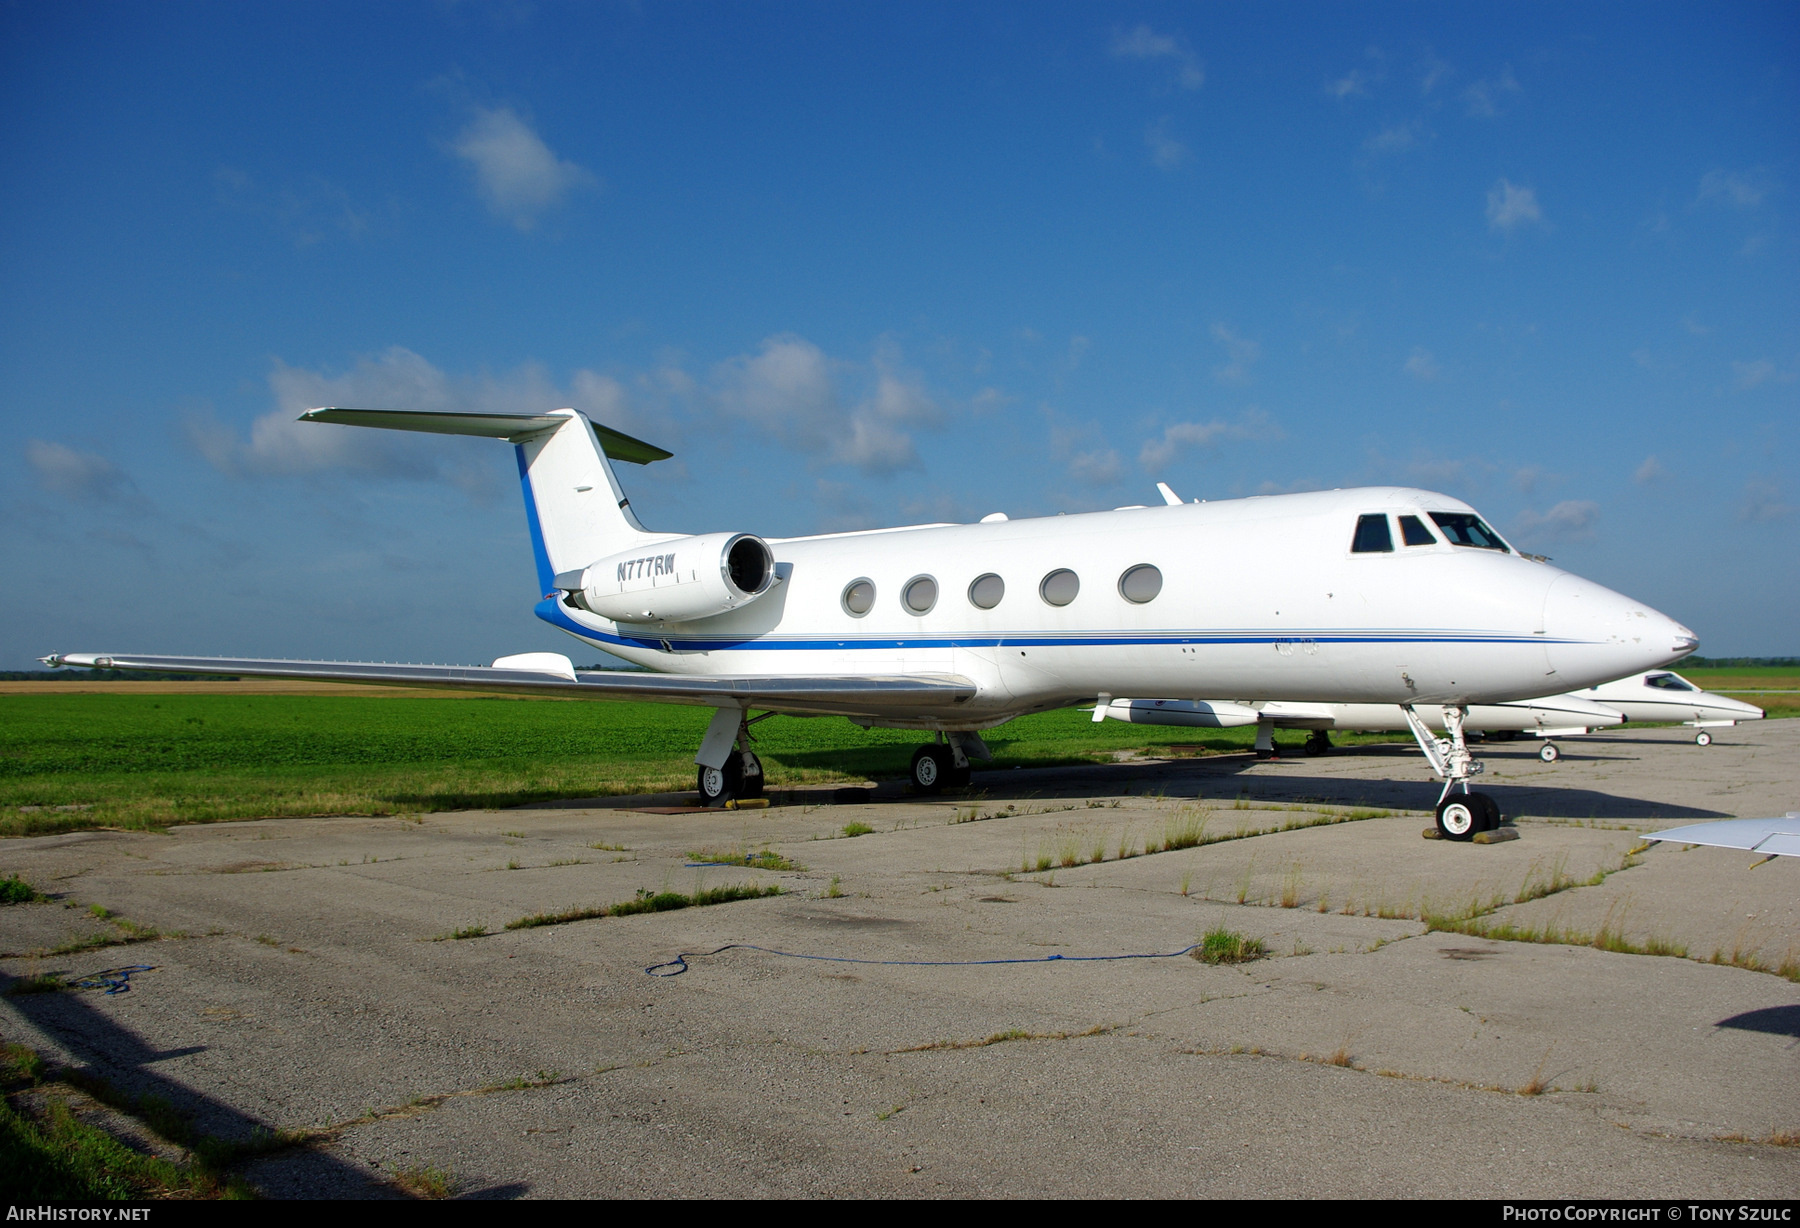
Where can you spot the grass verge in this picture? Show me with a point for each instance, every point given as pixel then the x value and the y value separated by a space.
pixel 647 901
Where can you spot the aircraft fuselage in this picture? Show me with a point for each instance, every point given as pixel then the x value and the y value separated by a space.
pixel 1261 598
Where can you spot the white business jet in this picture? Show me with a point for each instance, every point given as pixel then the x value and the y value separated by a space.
pixel 1379 595
pixel 1543 718
pixel 1660 695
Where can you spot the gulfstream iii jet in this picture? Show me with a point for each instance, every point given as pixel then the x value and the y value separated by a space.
pixel 956 628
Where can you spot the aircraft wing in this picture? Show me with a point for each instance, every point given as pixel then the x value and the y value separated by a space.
pixel 551 674
pixel 1773 837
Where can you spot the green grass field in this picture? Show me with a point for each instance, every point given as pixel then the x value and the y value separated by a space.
pixel 70 761
pixel 146 761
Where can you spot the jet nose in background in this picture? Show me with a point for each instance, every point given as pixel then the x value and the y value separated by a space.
pixel 1595 635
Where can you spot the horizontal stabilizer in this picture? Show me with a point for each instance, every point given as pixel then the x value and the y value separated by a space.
pixel 511 427
pixel 853 695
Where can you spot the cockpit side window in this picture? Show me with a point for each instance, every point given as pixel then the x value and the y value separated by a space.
pixel 1669 682
pixel 1414 533
pixel 1466 529
pixel 1372 536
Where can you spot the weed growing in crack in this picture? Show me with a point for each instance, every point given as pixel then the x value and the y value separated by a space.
pixel 1223 946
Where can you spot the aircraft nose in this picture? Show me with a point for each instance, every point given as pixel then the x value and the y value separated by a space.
pixel 1594 635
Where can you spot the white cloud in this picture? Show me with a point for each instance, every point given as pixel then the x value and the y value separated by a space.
pixel 278 444
pixel 789 389
pixel 1528 477
pixel 1510 207
pixel 1421 365
pixel 1729 188
pixel 1763 501
pixel 1433 73
pixel 1747 375
pixel 1568 519
pixel 307 212
pixel 1243 354
pixel 1650 471
pixel 1395 140
pixel 1143 43
pixel 1180 437
pixel 517 174
pixel 1353 84
pixel 1483 97
pixel 1165 150
pixel 79 475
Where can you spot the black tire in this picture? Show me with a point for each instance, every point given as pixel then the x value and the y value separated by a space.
pixel 959 777
pixel 931 768
pixel 1550 752
pixel 753 777
pixel 1703 738
pixel 1490 811
pixel 1460 816
pixel 720 785
pixel 1318 743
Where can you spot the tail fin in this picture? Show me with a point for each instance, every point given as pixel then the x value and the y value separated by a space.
pixel 576 510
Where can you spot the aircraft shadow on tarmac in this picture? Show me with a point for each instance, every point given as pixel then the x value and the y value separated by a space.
pixel 1221 779
pixel 106 1050
pixel 1774 1020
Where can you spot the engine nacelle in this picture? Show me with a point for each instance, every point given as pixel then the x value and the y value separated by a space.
pixel 674 581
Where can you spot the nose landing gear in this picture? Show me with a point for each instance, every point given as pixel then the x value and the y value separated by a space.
pixel 1460 813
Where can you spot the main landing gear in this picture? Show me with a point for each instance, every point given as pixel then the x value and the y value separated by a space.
pixel 729 769
pixel 944 764
pixel 1460 812
pixel 1318 742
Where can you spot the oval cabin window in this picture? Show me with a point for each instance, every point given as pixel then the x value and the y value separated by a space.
pixel 987 591
pixel 1140 584
pixel 920 594
pixel 1060 587
pixel 859 597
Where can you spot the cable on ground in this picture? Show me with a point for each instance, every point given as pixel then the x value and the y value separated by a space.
pixel 679 965
pixel 113 980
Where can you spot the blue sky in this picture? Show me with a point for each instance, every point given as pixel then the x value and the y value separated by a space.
pixel 862 265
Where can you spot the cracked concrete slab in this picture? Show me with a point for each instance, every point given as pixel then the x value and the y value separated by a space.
pixel 307 979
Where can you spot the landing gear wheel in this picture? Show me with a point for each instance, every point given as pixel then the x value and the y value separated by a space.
pixel 753 776
pixel 931 768
pixel 1490 818
pixel 1550 753
pixel 1703 738
pixel 1318 743
pixel 1460 816
pixel 721 784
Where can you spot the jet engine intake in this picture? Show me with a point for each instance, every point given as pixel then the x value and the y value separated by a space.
pixel 675 581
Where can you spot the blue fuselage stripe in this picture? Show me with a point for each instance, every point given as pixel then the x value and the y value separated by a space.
pixel 552 612
pixel 546 574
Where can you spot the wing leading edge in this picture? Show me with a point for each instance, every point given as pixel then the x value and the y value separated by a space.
pixel 851 695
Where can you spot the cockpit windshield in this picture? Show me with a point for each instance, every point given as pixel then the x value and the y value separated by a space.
pixel 1669 682
pixel 1467 529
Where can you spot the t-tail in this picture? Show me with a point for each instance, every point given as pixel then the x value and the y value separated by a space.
pixel 591 550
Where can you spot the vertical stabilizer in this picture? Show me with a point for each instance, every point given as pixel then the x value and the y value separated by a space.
pixel 577 511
